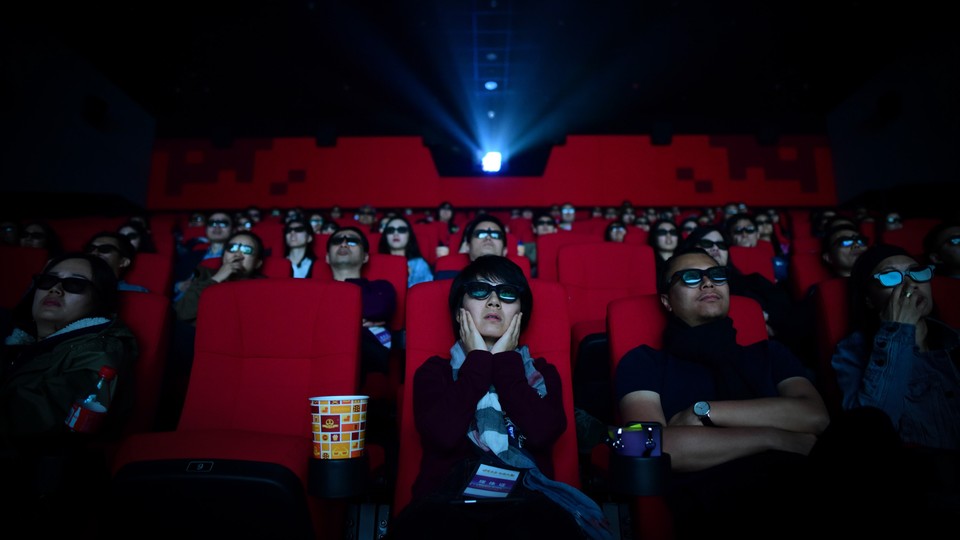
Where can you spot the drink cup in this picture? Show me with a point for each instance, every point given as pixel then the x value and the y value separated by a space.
pixel 339 426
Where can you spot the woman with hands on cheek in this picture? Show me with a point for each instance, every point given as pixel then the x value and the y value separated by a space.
pixel 491 403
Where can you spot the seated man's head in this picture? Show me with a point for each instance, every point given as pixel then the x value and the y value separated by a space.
pixel 492 289
pixel 485 235
pixel 543 223
pixel 114 248
pixel 347 250
pixel 219 227
pixel 568 213
pixel 244 252
pixel 942 247
pixel 694 287
pixel 743 230
pixel 840 247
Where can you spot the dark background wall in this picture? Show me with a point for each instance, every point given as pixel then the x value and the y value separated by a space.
pixel 71 140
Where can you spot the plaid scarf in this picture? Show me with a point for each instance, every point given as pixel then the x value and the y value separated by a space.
pixel 489 432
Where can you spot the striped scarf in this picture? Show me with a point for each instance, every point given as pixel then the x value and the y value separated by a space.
pixel 489 432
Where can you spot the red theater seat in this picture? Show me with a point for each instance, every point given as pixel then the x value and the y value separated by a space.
pixel 150 319
pixel 153 271
pixel 831 309
pixel 805 269
pixel 640 320
pixel 238 462
pixel 757 259
pixel 946 296
pixel 458 261
pixel 548 250
pixel 19 265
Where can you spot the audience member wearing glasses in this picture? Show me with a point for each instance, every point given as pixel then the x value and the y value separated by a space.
pixel 347 252
pixel 9 233
pixel 840 247
pixel 902 359
pixel 742 230
pixel 664 238
pixel 117 251
pixel 941 246
pixel 298 247
pixel 39 234
pixel 242 258
pixel 65 329
pixel 748 434
pixel 786 322
pixel 615 231
pixel 480 405
pixel 139 236
pixel 542 224
pixel 218 228
pixel 398 238
pixel 485 234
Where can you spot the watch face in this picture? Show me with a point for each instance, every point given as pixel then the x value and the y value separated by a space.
pixel 701 408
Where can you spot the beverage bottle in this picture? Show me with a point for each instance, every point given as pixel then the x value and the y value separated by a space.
pixel 88 411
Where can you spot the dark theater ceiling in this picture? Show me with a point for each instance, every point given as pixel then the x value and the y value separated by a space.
pixel 345 68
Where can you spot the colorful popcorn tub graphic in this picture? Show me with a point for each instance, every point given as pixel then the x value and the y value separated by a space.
pixel 339 425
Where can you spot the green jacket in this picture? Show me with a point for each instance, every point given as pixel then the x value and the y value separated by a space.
pixel 41 379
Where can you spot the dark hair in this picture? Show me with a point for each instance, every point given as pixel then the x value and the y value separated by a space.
pixel 826 244
pixel 492 268
pixel 106 299
pixel 125 247
pixel 310 252
pixel 541 214
pixel 146 239
pixel 693 240
pixel 210 214
pixel 412 250
pixel 329 224
pixel 363 238
pixel 732 220
pixel 480 218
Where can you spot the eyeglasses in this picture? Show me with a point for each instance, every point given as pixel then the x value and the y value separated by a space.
pixel 692 277
pixel 850 240
pixel 762 221
pixel 544 223
pixel 953 240
pixel 219 223
pixel 745 230
pixel 488 233
pixel 72 285
pixel 568 210
pixel 892 278
pixel 131 235
pixel 242 248
pixel 667 232
pixel 707 244
pixel 618 228
pixel 479 290
pixel 9 228
pixel 351 241
pixel 104 249
pixel 297 229
pixel 316 221
pixel 403 229
pixel 893 219
pixel 35 235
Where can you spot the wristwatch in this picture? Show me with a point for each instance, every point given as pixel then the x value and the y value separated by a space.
pixel 702 410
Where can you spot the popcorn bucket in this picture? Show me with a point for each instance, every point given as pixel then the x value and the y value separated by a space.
pixel 339 426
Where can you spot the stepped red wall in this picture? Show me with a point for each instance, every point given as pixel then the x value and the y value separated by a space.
pixel 694 170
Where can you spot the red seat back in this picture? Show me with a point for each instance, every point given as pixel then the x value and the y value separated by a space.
pixel 149 317
pixel 946 296
pixel 459 261
pixel 758 259
pixel 428 238
pixel 548 251
pixel 429 333
pixel 278 266
pixel 264 346
pixel 392 268
pixel 805 269
pixel 910 236
pixel 831 310
pixel 153 271
pixel 19 265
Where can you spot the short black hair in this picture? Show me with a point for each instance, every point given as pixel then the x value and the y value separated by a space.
pixel 493 268
pixel 480 218
pixel 126 247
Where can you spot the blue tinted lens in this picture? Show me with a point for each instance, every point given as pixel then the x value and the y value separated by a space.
pixel 479 290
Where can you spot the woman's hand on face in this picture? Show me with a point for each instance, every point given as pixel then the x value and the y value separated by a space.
pixel 902 307
pixel 227 268
pixel 469 334
pixel 508 341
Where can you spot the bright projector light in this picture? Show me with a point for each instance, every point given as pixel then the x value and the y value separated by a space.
pixel 491 162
